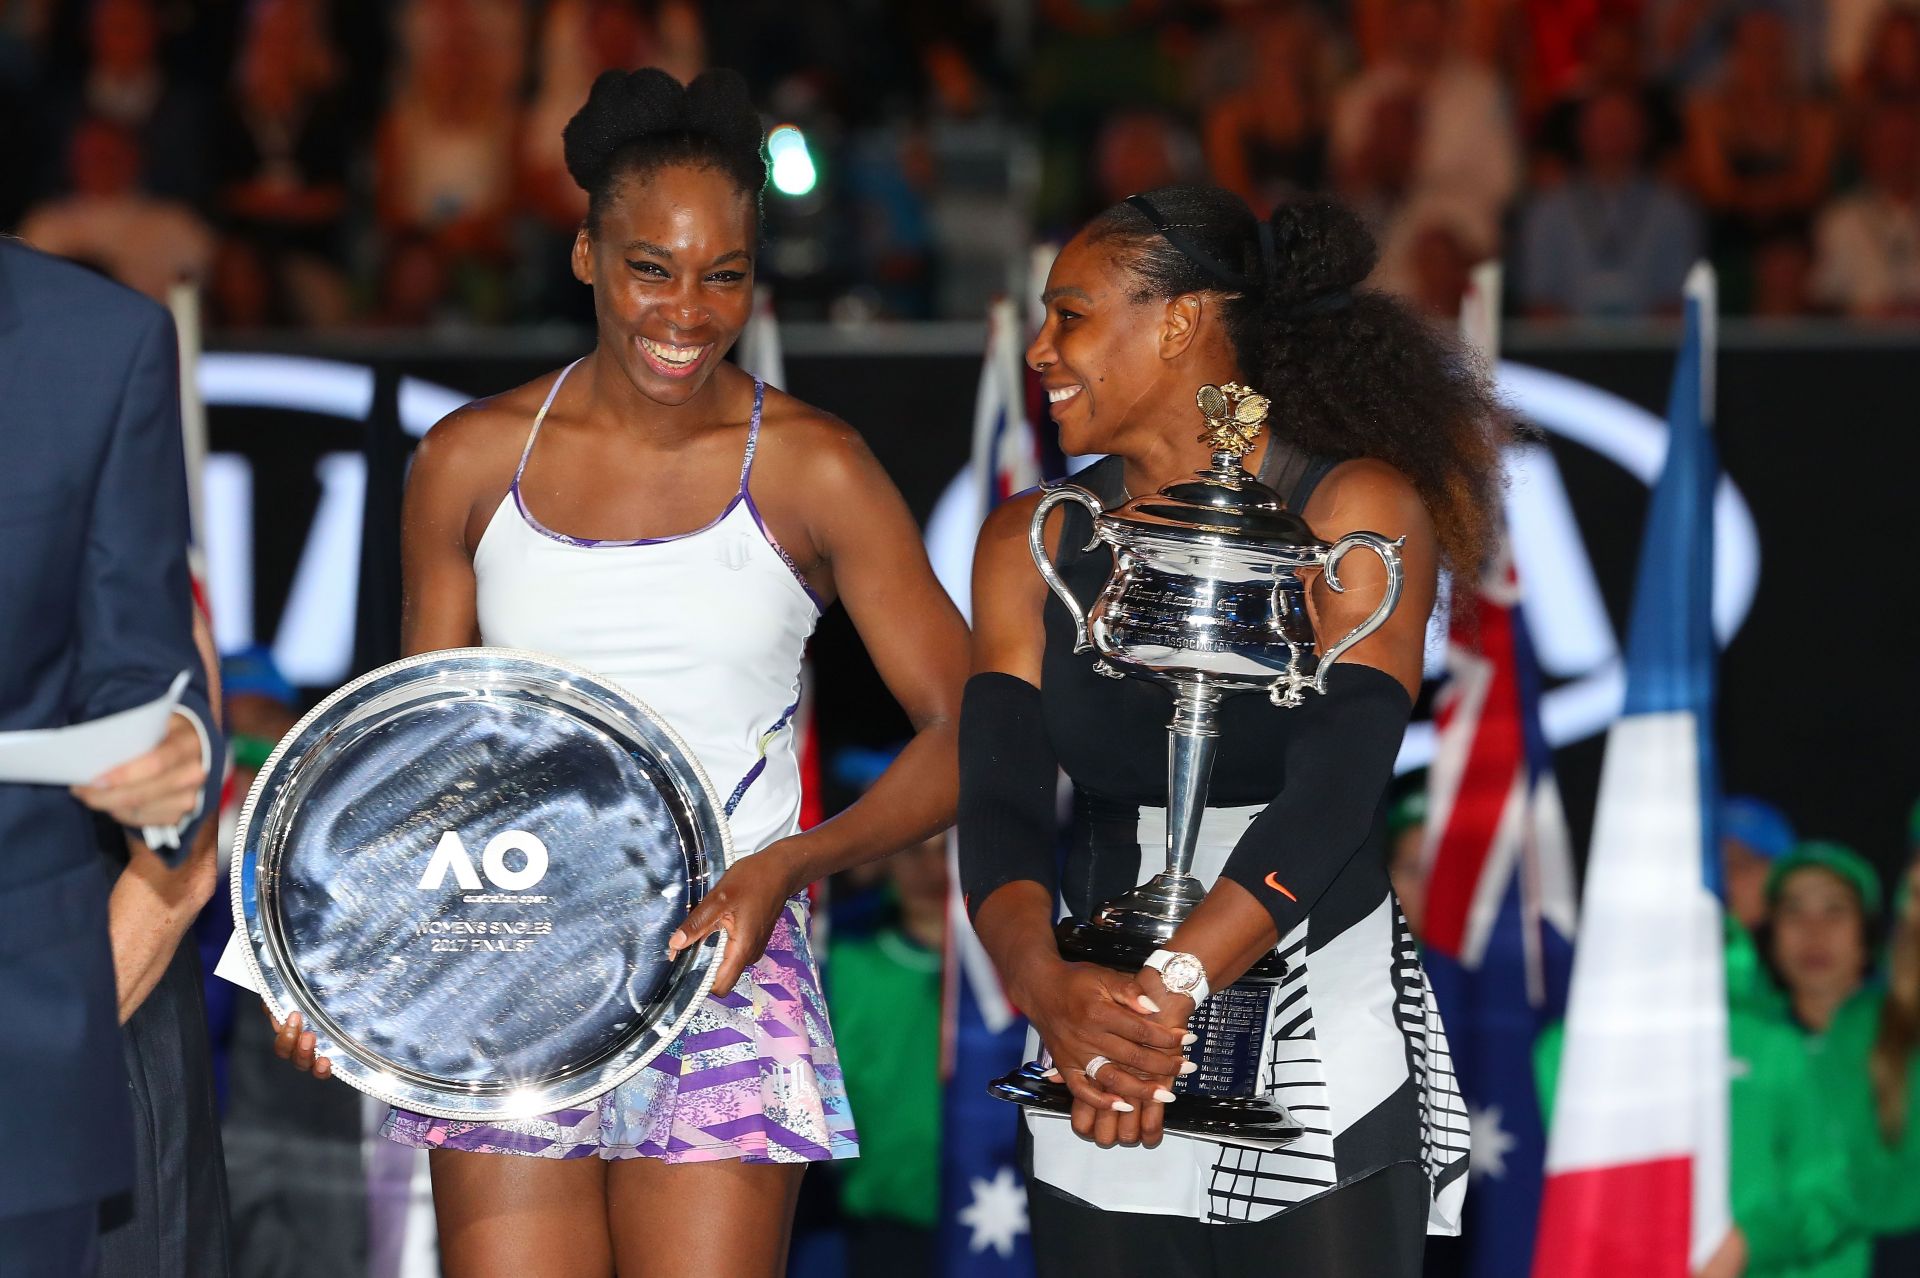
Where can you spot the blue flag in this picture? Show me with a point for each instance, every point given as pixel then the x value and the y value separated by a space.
pixel 983 1199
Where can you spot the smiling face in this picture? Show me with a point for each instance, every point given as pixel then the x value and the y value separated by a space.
pixel 671 264
pixel 1105 360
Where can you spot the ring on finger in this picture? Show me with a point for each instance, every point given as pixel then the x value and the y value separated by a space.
pixel 1094 1066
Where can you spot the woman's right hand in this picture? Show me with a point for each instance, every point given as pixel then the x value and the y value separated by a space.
pixel 1083 1011
pixel 291 1044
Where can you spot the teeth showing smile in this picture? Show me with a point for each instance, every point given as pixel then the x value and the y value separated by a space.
pixel 1062 395
pixel 674 356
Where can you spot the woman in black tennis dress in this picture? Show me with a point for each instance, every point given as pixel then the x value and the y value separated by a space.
pixel 1379 422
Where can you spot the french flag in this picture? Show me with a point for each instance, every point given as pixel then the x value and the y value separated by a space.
pixel 1637 1158
pixel 1006 449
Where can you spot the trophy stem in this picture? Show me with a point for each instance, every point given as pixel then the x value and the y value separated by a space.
pixel 1191 741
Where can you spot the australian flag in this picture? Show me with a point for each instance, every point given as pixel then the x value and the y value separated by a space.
pixel 1500 910
pixel 983 1199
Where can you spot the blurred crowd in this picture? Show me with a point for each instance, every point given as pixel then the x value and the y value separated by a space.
pixel 315 164
pixel 1598 146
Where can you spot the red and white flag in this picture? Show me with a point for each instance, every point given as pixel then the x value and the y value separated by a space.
pixel 1637 1155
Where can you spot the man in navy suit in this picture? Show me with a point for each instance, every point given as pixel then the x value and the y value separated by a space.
pixel 95 617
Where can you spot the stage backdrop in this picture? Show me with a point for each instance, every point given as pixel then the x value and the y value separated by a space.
pixel 1817 430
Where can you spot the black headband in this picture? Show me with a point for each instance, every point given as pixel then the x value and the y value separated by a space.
pixel 1323 303
pixel 1190 250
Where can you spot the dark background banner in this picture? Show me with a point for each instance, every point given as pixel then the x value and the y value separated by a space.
pixel 1820 689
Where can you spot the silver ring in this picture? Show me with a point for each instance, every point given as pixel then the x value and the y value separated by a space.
pixel 1094 1066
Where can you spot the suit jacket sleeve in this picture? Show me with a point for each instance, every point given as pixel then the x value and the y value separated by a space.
pixel 135 600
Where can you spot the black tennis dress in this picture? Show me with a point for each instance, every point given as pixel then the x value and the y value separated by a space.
pixel 1355 1046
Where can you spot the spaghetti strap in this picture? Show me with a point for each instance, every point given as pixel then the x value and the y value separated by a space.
pixel 541 417
pixel 753 432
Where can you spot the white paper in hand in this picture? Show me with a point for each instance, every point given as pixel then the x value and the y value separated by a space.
pixel 80 752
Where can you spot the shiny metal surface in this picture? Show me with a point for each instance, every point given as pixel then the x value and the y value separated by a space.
pixel 463 868
pixel 1208 595
pixel 1207 604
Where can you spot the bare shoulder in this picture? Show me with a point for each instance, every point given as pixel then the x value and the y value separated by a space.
pixel 1003 556
pixel 812 446
pixel 1004 531
pixel 1366 493
pixel 477 439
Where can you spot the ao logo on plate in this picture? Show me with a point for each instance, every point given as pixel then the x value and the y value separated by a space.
pixel 451 854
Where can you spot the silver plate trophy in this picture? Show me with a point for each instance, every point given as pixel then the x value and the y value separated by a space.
pixel 1207 596
pixel 462 870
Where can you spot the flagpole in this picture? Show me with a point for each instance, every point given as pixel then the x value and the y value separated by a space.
pixel 760 351
pixel 1702 295
pixel 1480 311
pixel 183 300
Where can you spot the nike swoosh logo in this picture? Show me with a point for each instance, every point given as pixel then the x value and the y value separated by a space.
pixel 1274 882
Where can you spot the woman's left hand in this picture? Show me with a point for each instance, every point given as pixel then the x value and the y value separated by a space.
pixel 746 902
pixel 1143 1127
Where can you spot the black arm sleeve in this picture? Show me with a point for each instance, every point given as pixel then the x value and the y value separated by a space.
pixel 1008 778
pixel 1339 760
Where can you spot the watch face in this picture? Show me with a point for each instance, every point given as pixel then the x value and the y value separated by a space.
pixel 1183 973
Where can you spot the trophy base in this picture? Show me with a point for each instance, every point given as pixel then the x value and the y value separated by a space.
pixel 1236 1120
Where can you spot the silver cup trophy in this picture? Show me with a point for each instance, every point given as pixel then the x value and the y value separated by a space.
pixel 1208 595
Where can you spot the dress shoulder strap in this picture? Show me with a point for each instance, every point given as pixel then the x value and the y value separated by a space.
pixel 540 417
pixel 1294 472
pixel 753 432
pixel 1106 481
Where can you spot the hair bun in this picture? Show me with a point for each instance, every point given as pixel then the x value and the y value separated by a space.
pixel 1327 249
pixel 626 106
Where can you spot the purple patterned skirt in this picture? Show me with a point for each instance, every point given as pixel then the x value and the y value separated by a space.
pixel 754 1077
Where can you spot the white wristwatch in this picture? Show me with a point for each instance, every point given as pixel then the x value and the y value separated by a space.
pixel 1181 974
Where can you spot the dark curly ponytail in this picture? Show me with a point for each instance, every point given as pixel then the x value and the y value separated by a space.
pixel 637 121
pixel 1350 371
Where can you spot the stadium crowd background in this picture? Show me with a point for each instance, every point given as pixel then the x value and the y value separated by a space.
pixel 320 165
pixel 350 167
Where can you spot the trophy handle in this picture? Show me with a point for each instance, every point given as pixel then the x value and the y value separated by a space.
pixel 1037 546
pixel 1389 552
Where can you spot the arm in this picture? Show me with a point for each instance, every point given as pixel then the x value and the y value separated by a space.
pixel 135 609
pixel 150 910
pixel 438 608
pixel 1007 778
pixel 152 905
pixel 1006 827
pixel 863 531
pixel 1341 752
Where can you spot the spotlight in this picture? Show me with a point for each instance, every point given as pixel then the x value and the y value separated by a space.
pixel 793 171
